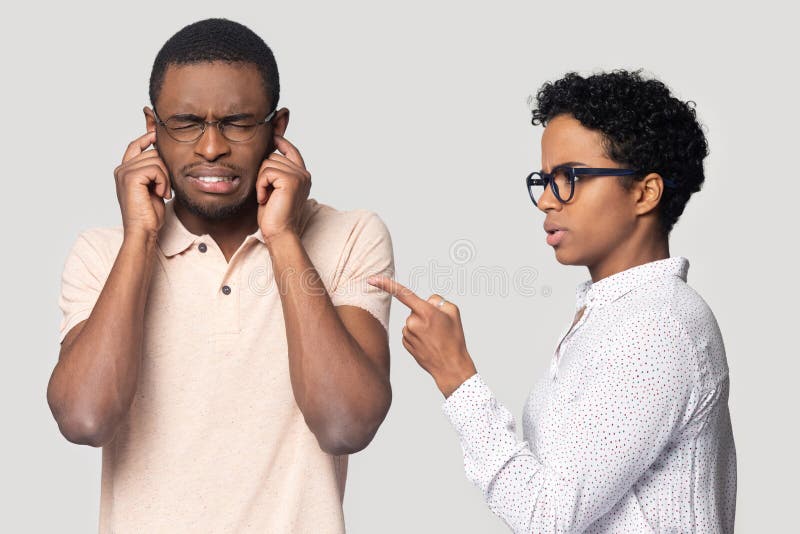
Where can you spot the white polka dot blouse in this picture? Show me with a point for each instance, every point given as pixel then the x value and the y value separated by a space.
pixel 628 432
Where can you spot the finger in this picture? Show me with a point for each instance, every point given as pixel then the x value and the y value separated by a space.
pixel 399 291
pixel 416 323
pixel 153 174
pixel 408 329
pixel 451 310
pixel 150 153
pixel 437 301
pixel 138 145
pixel 289 150
pixel 149 157
pixel 138 164
pixel 409 347
pixel 443 305
pixel 281 165
pixel 270 177
pixel 406 333
pixel 277 156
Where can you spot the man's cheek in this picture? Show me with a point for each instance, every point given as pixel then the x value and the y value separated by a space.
pixel 166 161
pixel 270 148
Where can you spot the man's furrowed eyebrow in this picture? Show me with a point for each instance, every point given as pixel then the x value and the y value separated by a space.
pixel 238 117
pixel 228 118
pixel 185 117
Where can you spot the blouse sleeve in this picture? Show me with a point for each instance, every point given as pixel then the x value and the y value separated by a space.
pixel 615 430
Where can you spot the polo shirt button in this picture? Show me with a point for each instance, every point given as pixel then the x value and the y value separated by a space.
pixel 226 290
pixel 202 247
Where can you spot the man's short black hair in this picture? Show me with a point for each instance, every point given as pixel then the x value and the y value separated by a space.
pixel 216 40
pixel 644 126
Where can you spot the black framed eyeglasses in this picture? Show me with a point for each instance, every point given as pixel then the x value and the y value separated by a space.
pixel 190 128
pixel 562 180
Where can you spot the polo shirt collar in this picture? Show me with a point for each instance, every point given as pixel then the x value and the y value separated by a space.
pixel 174 238
pixel 258 235
pixel 310 206
pixel 613 287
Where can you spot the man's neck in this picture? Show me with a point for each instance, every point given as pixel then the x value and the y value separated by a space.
pixel 228 233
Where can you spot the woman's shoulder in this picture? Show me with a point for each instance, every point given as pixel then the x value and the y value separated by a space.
pixel 677 312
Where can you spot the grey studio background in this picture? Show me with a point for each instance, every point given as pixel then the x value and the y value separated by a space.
pixel 416 110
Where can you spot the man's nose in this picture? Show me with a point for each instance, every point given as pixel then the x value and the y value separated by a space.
pixel 212 144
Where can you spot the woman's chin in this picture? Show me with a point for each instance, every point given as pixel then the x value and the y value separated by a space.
pixel 564 257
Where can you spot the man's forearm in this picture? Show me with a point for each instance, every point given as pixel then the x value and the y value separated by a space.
pixel 94 382
pixel 342 393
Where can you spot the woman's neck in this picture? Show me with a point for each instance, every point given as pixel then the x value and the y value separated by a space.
pixel 631 254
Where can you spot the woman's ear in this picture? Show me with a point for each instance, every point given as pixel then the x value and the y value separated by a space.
pixel 650 190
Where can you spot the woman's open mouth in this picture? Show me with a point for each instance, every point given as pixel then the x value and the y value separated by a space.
pixel 554 237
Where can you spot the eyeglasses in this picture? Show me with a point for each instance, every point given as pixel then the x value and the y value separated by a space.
pixel 562 180
pixel 190 128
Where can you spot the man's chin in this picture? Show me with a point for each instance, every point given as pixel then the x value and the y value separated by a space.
pixel 216 211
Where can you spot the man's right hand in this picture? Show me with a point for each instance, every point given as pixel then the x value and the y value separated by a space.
pixel 95 380
pixel 142 185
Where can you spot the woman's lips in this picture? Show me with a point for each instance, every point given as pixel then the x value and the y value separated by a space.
pixel 554 238
pixel 210 184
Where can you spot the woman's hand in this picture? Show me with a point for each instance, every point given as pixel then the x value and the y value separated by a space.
pixel 433 335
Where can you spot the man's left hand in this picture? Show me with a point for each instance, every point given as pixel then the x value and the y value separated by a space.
pixel 282 188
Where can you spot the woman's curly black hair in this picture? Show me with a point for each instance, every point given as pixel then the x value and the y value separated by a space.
pixel 645 128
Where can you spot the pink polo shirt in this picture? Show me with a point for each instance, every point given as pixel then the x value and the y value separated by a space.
pixel 214 441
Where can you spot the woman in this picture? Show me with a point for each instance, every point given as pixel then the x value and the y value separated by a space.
pixel 630 430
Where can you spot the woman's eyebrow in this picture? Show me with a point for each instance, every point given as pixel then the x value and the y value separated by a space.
pixel 571 164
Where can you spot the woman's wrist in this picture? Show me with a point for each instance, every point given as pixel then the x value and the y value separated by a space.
pixel 450 379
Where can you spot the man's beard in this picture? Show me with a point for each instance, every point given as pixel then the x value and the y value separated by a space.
pixel 214 213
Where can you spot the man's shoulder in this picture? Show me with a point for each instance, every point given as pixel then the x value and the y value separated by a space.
pixel 93 253
pixel 103 234
pixel 319 210
pixel 323 220
pixel 103 240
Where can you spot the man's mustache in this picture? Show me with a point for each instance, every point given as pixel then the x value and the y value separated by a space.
pixel 187 169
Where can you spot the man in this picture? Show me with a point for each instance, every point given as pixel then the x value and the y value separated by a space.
pixel 223 347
